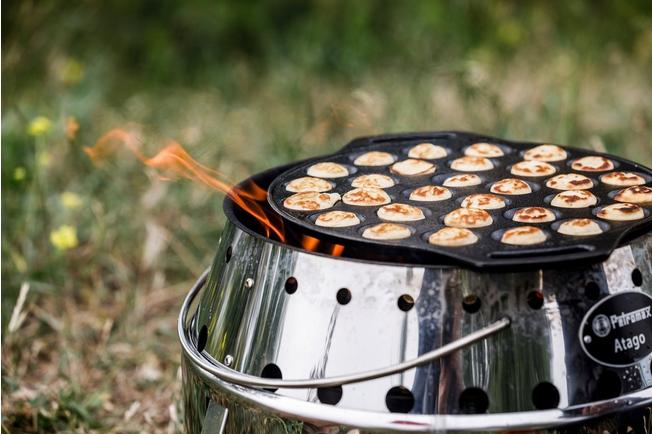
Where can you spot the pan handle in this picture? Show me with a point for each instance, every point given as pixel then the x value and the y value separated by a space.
pixel 221 371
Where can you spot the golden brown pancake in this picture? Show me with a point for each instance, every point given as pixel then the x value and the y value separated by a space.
pixel 532 168
pixel 593 164
pixel 579 227
pixel 400 212
pixel 574 199
pixel 308 183
pixel 546 153
pixel 327 170
pixel 534 214
pixel 621 212
pixel 412 167
pixel 570 181
pixel 468 218
pixel 366 197
pixel 453 237
pixel 430 193
pixel 374 158
pixel 483 201
pixel 373 180
pixel 427 151
pixel 463 180
pixel 471 164
pixel 311 201
pixel 639 194
pixel 337 219
pixel 486 150
pixel 523 236
pixel 622 179
pixel 511 186
pixel 387 231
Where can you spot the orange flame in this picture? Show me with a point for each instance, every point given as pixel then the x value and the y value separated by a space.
pixel 309 243
pixel 174 158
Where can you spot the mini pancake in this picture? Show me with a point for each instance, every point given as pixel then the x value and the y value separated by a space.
pixel 468 218
pixel 523 236
pixel 337 219
pixel 622 179
pixel 430 193
pixel 511 186
pixel 471 164
pixel 579 227
pixel 483 201
pixel 464 180
pixel 373 180
pixel 327 170
pixel 574 199
pixel 387 231
pixel 570 181
pixel 621 212
pixel 412 167
pixel 400 212
pixel 427 151
pixel 308 183
pixel 532 168
pixel 534 214
pixel 453 237
pixel 639 194
pixel 366 197
pixel 374 158
pixel 593 164
pixel 486 150
pixel 546 153
pixel 311 201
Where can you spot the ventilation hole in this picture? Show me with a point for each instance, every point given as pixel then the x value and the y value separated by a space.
pixel 399 400
pixel 545 396
pixel 637 277
pixel 227 255
pixel 608 386
pixel 535 299
pixel 291 285
pixel 471 303
pixel 405 302
pixel 473 400
pixel 329 395
pixel 343 296
pixel 271 371
pixel 592 290
pixel 202 338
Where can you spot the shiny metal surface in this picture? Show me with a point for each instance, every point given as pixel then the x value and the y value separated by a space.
pixel 250 319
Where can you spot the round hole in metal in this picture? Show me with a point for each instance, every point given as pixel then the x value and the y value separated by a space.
pixel 228 254
pixel 399 399
pixel 473 400
pixel 545 396
pixel 405 302
pixel 291 285
pixel 592 290
pixel 343 296
pixel 535 299
pixel 202 338
pixel 637 277
pixel 608 385
pixel 471 303
pixel 271 371
pixel 329 395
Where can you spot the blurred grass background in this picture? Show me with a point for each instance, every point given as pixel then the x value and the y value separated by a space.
pixel 97 258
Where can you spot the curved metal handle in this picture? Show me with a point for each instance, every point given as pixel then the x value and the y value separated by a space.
pixel 225 373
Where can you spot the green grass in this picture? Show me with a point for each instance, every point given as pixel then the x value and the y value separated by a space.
pixel 93 347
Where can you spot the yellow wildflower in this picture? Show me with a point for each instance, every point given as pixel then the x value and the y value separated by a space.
pixel 44 159
pixel 70 200
pixel 39 126
pixel 64 237
pixel 19 173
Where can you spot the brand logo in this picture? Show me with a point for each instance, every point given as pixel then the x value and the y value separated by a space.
pixel 601 326
pixel 625 319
